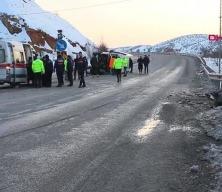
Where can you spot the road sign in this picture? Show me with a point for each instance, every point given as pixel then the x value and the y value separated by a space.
pixel 61 45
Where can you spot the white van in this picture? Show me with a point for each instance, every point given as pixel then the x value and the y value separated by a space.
pixel 13 62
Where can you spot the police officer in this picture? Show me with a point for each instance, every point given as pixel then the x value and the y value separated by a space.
pixel 38 70
pixel 81 67
pixel 69 69
pixel 118 65
pixel 60 68
pixel 125 64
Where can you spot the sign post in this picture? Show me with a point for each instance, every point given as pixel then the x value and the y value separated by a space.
pixel 220 47
pixel 218 38
pixel 61 45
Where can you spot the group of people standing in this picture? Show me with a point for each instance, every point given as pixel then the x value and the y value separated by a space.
pixel 143 61
pixel 122 63
pixel 41 70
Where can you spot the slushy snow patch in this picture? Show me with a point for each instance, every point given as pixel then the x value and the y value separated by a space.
pixel 213 63
pixel 214 156
pixel 211 121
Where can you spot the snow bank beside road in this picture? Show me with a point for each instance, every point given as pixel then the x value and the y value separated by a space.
pixel 211 121
pixel 214 156
pixel 213 64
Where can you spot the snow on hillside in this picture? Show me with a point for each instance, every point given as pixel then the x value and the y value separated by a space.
pixel 20 20
pixel 122 49
pixel 141 49
pixel 190 44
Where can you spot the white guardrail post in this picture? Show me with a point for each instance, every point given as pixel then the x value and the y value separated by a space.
pixel 213 76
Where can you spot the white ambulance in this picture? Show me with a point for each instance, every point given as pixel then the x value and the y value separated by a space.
pixel 13 62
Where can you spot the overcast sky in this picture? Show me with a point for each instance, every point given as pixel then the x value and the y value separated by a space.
pixel 138 21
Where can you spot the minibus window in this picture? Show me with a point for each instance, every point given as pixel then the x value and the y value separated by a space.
pixel 11 54
pixel 19 57
pixel 2 55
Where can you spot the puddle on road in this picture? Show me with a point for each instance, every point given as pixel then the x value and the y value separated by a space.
pixel 150 124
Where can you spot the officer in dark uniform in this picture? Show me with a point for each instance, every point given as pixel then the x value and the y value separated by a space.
pixel 60 69
pixel 81 63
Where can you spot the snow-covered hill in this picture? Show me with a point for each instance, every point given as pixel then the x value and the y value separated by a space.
pixel 191 44
pixel 21 20
pixel 134 49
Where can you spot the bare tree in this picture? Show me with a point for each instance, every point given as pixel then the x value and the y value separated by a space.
pixel 102 47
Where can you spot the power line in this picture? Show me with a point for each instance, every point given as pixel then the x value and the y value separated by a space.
pixel 79 8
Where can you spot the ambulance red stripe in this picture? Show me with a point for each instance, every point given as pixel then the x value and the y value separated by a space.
pixel 17 65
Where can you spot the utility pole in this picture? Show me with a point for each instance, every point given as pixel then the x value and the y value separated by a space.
pixel 220 47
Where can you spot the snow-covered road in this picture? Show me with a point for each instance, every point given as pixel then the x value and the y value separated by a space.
pixel 141 135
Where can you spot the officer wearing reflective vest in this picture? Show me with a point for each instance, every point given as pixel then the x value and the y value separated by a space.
pixel 59 67
pixel 125 65
pixel 118 65
pixel 38 70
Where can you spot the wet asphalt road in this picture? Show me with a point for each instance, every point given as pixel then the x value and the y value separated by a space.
pixel 108 137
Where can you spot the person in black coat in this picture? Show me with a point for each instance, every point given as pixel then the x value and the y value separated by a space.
pixel 146 61
pixel 140 64
pixel 70 66
pixel 95 65
pixel 59 67
pixel 86 65
pixel 30 74
pixel 81 64
pixel 48 64
pixel 131 65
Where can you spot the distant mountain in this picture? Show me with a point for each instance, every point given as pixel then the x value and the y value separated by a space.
pixel 134 49
pixel 191 44
pixel 25 20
